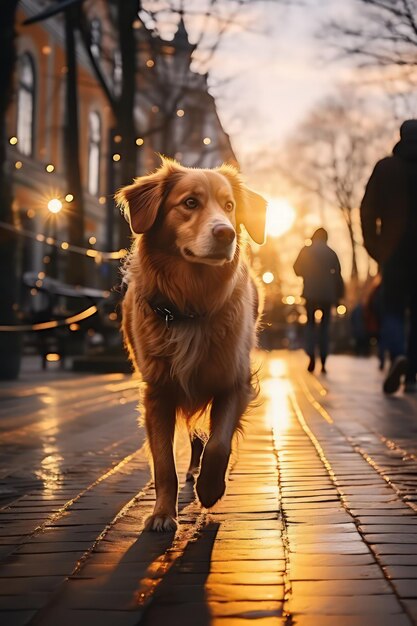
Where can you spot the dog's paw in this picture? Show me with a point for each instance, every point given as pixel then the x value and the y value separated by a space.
pixel 211 485
pixel 161 523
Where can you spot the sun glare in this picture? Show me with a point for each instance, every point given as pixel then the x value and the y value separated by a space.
pixel 280 217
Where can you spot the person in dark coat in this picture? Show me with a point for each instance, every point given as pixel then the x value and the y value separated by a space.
pixel 389 224
pixel 319 267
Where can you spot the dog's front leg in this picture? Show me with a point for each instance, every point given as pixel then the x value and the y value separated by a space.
pixel 197 447
pixel 160 416
pixel 227 409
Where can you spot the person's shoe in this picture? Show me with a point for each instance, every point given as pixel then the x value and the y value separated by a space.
pixel 312 364
pixel 410 387
pixel 397 370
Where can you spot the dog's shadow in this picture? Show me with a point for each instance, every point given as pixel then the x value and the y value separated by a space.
pixel 159 579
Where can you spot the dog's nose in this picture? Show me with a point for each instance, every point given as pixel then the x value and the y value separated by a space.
pixel 223 233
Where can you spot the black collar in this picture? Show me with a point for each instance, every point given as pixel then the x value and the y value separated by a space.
pixel 168 312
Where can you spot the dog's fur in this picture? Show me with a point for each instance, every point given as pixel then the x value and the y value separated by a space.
pixel 189 256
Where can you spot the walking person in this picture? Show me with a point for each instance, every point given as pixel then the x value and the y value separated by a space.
pixel 319 267
pixel 389 225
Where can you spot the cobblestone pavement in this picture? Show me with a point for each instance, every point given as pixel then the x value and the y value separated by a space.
pixel 318 525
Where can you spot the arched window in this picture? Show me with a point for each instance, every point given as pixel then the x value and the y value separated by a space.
pixel 95 37
pixel 94 140
pixel 26 105
pixel 117 72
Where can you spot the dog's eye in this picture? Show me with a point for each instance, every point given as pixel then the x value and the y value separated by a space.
pixel 229 206
pixel 191 203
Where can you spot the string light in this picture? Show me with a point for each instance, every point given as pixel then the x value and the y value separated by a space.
pixel 268 278
pixel 92 240
pixel 117 138
pixel 13 141
pixel 54 205
pixel 46 50
pixel 78 317
pixel 150 63
pixel 206 141
pixel 116 157
pixel 115 255
pixel 180 112
pixel 341 309
pixel 140 141
pixel 50 168
pixel 18 165
pixel 102 200
pixel 69 197
pixel 30 213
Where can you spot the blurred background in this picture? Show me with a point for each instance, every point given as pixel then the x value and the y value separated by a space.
pixel 303 96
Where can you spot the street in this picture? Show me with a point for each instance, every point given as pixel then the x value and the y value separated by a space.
pixel 318 525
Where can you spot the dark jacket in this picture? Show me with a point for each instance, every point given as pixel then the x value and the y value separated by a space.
pixel 389 197
pixel 319 266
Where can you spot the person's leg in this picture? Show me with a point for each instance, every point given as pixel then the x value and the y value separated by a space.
pixel 324 334
pixel 310 335
pixel 410 377
pixel 394 302
pixel 394 296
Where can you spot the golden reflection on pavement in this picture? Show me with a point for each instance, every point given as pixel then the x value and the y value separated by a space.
pixel 276 389
pixel 50 468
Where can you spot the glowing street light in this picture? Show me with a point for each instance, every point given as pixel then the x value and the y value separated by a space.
pixel 54 205
pixel 280 217
pixel 268 278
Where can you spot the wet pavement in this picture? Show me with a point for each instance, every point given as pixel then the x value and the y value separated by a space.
pixel 318 525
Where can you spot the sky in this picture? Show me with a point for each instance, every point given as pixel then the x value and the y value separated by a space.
pixel 266 83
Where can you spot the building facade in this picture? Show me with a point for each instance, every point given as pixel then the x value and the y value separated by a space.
pixel 174 115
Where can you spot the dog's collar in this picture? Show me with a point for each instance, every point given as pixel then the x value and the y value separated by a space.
pixel 168 312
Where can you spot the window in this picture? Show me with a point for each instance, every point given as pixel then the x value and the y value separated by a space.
pixel 26 105
pixel 95 37
pixel 117 72
pixel 94 152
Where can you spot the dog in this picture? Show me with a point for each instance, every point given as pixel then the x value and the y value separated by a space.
pixel 190 316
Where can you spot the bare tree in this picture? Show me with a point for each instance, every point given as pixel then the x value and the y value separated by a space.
pixel 379 32
pixel 331 157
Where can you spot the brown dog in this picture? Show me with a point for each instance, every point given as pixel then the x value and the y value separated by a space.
pixel 189 316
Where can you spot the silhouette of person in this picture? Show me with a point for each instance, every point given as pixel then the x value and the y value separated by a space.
pixel 389 225
pixel 319 267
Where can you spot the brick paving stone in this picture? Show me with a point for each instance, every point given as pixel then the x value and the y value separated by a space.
pixel 333 588
pixel 261 621
pixel 406 588
pixel 342 605
pixel 16 618
pixel 310 526
pixel 334 572
pixel 401 571
pixel 411 606
pixel 350 620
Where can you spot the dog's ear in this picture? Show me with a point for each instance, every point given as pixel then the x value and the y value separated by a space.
pixel 253 214
pixel 250 206
pixel 140 201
